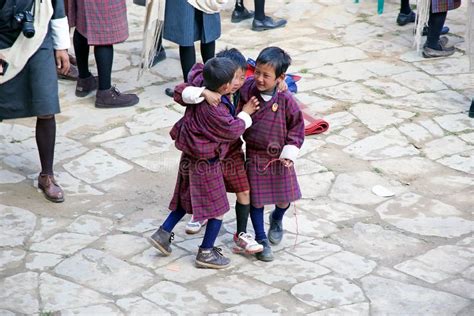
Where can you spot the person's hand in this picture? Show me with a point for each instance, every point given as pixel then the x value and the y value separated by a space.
pixel 62 61
pixel 287 162
pixel 213 98
pixel 251 106
pixel 282 86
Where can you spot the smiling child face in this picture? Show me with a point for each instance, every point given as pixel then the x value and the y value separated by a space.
pixel 238 81
pixel 265 77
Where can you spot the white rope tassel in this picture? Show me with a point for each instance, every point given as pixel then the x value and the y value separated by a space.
pixel 155 12
pixel 422 16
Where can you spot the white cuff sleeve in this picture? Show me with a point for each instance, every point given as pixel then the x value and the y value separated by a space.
pixel 289 152
pixel 246 118
pixel 60 32
pixel 192 95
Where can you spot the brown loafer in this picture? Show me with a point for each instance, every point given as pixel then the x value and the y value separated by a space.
pixel 51 189
pixel 72 74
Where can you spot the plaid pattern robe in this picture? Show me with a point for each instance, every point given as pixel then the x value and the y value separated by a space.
pixel 444 5
pixel 101 22
pixel 203 135
pixel 270 131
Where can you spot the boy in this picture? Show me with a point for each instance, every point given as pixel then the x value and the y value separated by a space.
pixel 204 135
pixel 275 138
pixel 235 176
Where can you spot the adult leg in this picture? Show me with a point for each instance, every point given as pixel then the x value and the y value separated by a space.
pixel 46 140
pixel 406 15
pixel 405 6
pixel 436 46
pixel 86 83
pixel 208 50
pixel 187 57
pixel 261 22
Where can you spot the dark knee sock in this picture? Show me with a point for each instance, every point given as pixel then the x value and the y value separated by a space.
pixel 239 5
pixel 45 140
pixel 259 9
pixel 435 25
pixel 242 215
pixel 104 57
pixel 173 218
pixel 81 48
pixel 208 50
pixel 256 215
pixel 278 213
pixel 212 230
pixel 405 6
pixel 187 56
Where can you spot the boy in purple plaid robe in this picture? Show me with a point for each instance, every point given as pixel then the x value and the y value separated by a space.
pixel 204 135
pixel 272 145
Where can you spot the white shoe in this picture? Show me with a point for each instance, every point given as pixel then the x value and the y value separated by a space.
pixel 245 242
pixel 193 227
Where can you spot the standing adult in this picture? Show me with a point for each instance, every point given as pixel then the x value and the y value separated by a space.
pixel 184 25
pixel 100 24
pixel 29 57
pixel 261 22
pixel 406 15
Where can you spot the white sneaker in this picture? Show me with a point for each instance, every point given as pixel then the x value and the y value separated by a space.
pixel 193 227
pixel 245 242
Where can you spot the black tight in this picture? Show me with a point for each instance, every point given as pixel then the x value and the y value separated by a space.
pixel 405 6
pixel 259 9
pixel 187 56
pixel 104 57
pixel 45 140
pixel 435 25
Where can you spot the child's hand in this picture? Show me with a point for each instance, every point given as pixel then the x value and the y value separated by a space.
pixel 62 61
pixel 287 163
pixel 213 98
pixel 282 86
pixel 252 106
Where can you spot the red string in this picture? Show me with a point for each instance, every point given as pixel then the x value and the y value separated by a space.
pixel 294 203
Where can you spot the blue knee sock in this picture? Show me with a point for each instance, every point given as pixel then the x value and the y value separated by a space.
pixel 256 215
pixel 279 212
pixel 173 218
pixel 212 230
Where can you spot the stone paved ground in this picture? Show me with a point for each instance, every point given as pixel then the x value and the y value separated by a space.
pixel 397 121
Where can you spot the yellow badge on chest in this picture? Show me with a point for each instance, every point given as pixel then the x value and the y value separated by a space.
pixel 275 107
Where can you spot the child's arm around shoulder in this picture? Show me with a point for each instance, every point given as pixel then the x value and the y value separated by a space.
pixel 295 128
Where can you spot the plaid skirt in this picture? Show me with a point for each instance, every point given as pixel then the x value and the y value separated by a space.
pixel 444 5
pixel 235 175
pixel 276 184
pixel 200 189
pixel 101 22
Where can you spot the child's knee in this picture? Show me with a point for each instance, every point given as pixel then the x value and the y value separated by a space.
pixel 219 217
pixel 287 205
pixel 243 197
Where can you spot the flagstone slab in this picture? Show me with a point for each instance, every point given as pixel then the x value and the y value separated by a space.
pixel 152 120
pixel 102 309
pixel 183 270
pixel 339 120
pixel 276 274
pixel 234 289
pixel 332 17
pixel 63 243
pixel 406 168
pixel 424 216
pixel 123 245
pixel 19 293
pixel 42 261
pixel 462 162
pixel 114 133
pixel 432 127
pixel 356 188
pixel 469 137
pixel 11 258
pixel 408 299
pixel 419 81
pixel 307 224
pixel 4 312
pixel 139 145
pixel 461 287
pixel 315 184
pixel 91 225
pixel 378 118
pixel 388 87
pixel 137 306
pixel 306 166
pixel 445 146
pixel 47 226
pixel 58 294
pixel 327 292
pixel 389 143
pixel 375 242
pixel 347 71
pixel 103 272
pixel 332 211
pixel 96 166
pixel 334 55
pixel 458 81
pixel 16 224
pixel 8 177
pixel 358 33
pixel 361 309
pixel 74 186
pixel 153 259
pixel 348 265
pixel 417 133
pixel 350 92
pixel 314 250
pixel 438 264
pixel 469 273
pixel 179 299
pixel 444 66
pixel 12 133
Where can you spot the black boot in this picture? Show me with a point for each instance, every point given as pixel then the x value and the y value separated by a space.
pixel 240 15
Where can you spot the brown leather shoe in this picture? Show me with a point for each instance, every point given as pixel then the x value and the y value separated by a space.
pixel 113 98
pixel 51 189
pixel 72 74
pixel 85 86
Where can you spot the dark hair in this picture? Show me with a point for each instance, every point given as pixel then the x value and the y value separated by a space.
pixel 275 57
pixel 217 72
pixel 235 55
